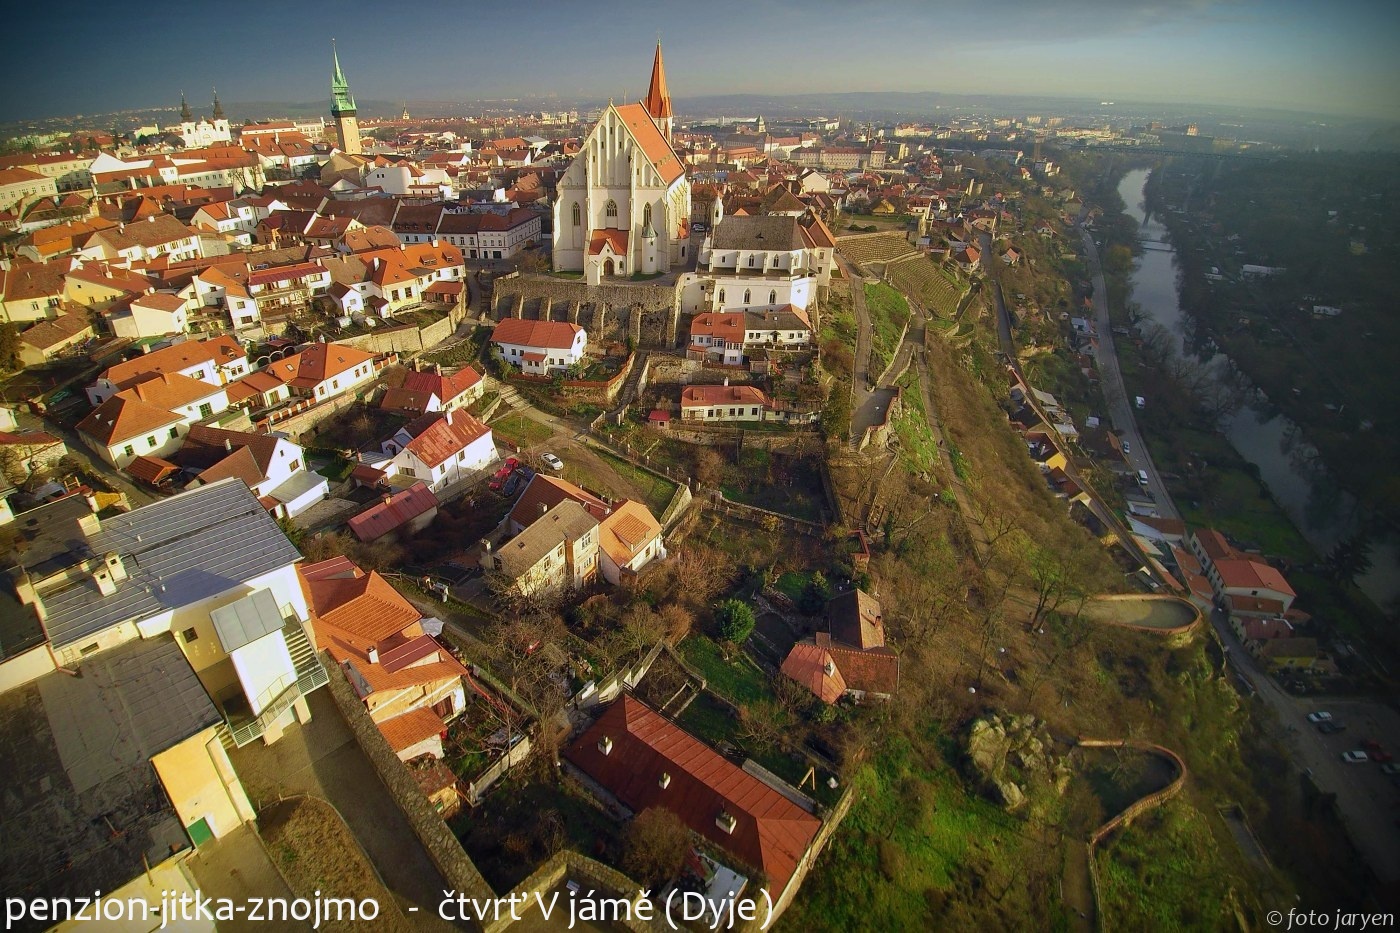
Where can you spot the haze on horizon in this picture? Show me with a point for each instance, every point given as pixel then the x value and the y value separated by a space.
pixel 1299 55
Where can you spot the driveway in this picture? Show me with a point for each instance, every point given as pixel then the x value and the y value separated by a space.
pixel 237 867
pixel 862 405
pixel 322 759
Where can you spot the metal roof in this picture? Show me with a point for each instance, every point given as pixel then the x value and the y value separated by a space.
pixel 244 621
pixel 177 551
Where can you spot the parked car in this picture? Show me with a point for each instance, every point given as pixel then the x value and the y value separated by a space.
pixel 1382 756
pixel 1331 727
pixel 1319 716
pixel 553 462
pixel 1355 757
pixel 498 479
pixel 1391 767
pixel 1371 745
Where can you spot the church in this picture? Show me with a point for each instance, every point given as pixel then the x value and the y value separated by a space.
pixel 196 134
pixel 623 205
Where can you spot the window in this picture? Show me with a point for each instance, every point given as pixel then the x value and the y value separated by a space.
pixel 128 451
pixel 174 433
pixel 751 260
pixel 151 440
pixel 721 296
pixel 610 209
pixel 646 214
pixel 748 295
pixel 578 216
pixel 294 466
pixel 773 297
pixel 206 409
pixel 335 383
pixel 190 634
pixel 409 471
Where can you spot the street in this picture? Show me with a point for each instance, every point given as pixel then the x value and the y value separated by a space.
pixel 1120 408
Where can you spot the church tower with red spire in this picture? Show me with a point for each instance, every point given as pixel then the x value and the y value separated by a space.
pixel 658 102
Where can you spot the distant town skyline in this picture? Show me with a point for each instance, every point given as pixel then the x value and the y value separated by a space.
pixel 1291 54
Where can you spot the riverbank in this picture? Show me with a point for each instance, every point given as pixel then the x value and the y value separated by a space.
pixel 1212 483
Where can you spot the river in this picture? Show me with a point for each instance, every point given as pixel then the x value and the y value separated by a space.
pixel 1322 512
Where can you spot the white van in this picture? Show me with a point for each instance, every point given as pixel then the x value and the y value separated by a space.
pixel 1142 478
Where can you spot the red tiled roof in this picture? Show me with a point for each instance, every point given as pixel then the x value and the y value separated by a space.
pixel 362 604
pixel 652 143
pixel 702 396
pixel 547 335
pixel 856 620
pixel 317 363
pixel 875 670
pixel 122 417
pixel 417 725
pixel 547 491
pixel 400 509
pixel 1252 575
pixel 150 469
pixel 616 240
pixel 727 326
pixel 446 388
pixel 807 664
pixel 629 529
pixel 771 833
pixel 220 350
pixel 1215 545
pixel 447 433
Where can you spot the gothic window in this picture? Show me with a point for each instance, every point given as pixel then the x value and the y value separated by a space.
pixel 610 209
pixel 721 296
pixel 773 297
pixel 748 296
pixel 750 259
pixel 646 215
pixel 578 219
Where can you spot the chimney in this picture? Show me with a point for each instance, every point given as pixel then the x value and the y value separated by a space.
pixel 115 566
pixel 388 499
pixel 151 219
pixel 605 745
pixel 725 821
pixel 372 655
pixel 543 508
pixel 829 667
pixel 664 781
pixel 726 381
pixel 88 525
pixel 228 444
pixel 103 578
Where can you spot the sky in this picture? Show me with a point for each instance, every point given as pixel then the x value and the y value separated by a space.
pixel 1328 56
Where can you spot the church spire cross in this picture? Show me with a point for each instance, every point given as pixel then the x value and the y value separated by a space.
pixel 218 107
pixel 186 115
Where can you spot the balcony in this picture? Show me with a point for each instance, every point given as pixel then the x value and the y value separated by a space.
pixel 310 676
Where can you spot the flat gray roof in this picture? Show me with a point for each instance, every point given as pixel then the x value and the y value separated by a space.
pixel 176 551
pixel 82 802
pixel 760 232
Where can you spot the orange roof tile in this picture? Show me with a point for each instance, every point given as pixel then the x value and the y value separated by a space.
pixel 417 725
pixel 644 130
pixel 629 529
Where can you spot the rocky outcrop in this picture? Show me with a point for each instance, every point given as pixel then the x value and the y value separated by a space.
pixel 1012 756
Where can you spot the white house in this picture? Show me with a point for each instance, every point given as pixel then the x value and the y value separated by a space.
pixel 217 362
pixel 440 449
pixel 155 315
pixel 628 539
pixel 324 370
pixel 149 418
pixel 540 347
pixel 144 240
pixel 272 466
pixel 723 403
pixel 759 262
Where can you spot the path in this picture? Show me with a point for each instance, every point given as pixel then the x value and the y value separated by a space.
pixel 865 405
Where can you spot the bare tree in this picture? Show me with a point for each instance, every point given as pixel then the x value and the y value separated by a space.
pixel 655 846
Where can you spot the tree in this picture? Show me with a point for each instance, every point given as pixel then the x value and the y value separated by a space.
pixel 656 844
pixel 815 594
pixel 1350 558
pixel 708 467
pixel 736 620
pixel 703 572
pixel 677 621
pixel 9 347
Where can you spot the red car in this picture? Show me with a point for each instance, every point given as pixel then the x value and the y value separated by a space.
pixel 1371 745
pixel 503 474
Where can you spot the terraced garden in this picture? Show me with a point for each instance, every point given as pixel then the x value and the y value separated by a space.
pixel 879 248
pixel 928 283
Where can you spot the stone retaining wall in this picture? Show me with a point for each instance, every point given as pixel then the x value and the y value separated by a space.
pixel 406 339
pixel 644 312
pixel 438 841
